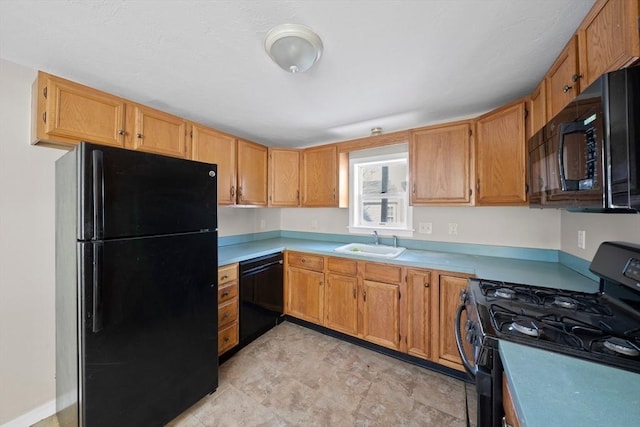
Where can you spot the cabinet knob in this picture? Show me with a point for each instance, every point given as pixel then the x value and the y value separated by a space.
pixel 225 277
pixel 233 191
pixel 225 294
pixel 139 135
pixel 426 285
pixel 121 132
pixel 226 339
pixel 225 316
pixel 576 77
pixel 566 88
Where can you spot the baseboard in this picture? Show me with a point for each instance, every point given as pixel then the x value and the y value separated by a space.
pixel 33 416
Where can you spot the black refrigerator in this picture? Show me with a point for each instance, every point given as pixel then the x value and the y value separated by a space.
pixel 136 286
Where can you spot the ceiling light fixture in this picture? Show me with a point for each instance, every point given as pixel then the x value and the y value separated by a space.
pixel 295 48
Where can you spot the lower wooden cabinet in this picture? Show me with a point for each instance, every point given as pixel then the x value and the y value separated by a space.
pixel 341 296
pixel 410 310
pixel 419 312
pixel 449 288
pixel 227 307
pixel 510 418
pixel 304 286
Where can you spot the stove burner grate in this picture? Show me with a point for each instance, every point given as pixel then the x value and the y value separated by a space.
pixel 621 346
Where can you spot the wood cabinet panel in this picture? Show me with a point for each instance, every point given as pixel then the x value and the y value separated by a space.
pixel 341 303
pixel 563 82
pixel 319 176
pixel 510 414
pixel 252 173
pixel 342 266
pixel 211 146
pixel 537 116
pixel 440 165
pixel 227 337
pixel 228 307
pixel 608 38
pixel 419 312
pixel 382 272
pixel 381 313
pixel 155 131
pixel 284 177
pixel 306 261
pixel 227 273
pixel 450 287
pixel 227 291
pixel 305 294
pixel 500 154
pixel 68 112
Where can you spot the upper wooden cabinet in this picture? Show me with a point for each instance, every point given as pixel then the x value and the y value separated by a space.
pixel 67 112
pixel 211 146
pixel 537 109
pixel 563 79
pixel 608 38
pixel 155 131
pixel 319 176
pixel 500 157
pixel 252 173
pixel 440 165
pixel 284 177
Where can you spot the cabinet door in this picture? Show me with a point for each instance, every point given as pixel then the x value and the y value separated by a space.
pixel 608 38
pixel 449 301
pixel 381 313
pixel 157 132
pixel 319 176
pixel 537 116
pixel 69 112
pixel 500 154
pixel 563 83
pixel 419 313
pixel 284 177
pixel 341 303
pixel 211 146
pixel 440 165
pixel 252 173
pixel 305 293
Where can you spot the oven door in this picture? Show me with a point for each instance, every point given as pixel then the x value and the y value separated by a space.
pixel 483 365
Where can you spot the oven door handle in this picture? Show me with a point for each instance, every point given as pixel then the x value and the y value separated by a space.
pixel 471 370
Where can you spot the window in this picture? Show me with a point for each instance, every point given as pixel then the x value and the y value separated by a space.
pixel 378 191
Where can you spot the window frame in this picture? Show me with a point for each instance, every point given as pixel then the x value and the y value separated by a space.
pixel 355 196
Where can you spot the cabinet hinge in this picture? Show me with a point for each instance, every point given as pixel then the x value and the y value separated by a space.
pixel 44 92
pixel 191 134
pixel 526 113
pixel 44 117
pixel 399 295
pixel 470 132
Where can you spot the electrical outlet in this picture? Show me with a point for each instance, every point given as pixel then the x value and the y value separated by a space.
pixel 425 228
pixel 582 239
pixel 314 224
pixel 453 228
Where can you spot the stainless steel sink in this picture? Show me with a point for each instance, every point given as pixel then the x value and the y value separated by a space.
pixel 378 251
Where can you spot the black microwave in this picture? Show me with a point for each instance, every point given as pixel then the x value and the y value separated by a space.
pixel 587 157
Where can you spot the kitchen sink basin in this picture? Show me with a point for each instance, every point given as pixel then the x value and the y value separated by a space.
pixel 378 251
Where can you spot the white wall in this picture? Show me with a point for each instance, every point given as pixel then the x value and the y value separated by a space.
pixel 598 228
pixel 27 332
pixel 509 226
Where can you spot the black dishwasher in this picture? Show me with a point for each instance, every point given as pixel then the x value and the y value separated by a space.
pixel 261 296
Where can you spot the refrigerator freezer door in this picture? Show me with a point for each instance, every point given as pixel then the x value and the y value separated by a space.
pixel 127 193
pixel 149 327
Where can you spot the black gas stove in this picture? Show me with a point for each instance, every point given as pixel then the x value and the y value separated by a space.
pixel 602 327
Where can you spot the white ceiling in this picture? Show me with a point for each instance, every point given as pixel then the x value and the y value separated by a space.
pixel 389 63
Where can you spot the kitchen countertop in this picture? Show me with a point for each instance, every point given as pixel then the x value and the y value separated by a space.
pixel 551 389
pixel 538 273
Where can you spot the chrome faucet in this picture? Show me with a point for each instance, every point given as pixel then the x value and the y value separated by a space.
pixel 395 241
pixel 376 238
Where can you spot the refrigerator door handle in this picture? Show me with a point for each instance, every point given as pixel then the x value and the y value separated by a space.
pixel 97 289
pixel 98 194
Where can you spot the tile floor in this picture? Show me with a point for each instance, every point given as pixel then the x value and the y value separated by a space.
pixel 294 376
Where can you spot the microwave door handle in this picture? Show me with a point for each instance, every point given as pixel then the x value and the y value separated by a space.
pixel 567 129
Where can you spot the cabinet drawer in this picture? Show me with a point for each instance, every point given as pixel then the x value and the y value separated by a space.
pixel 227 312
pixel 227 337
pixel 227 291
pixel 227 273
pixel 306 261
pixel 382 273
pixel 344 266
